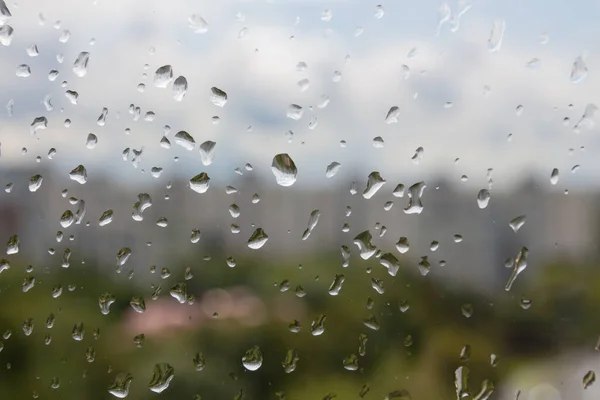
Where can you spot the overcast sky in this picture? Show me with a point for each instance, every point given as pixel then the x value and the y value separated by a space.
pixel 251 50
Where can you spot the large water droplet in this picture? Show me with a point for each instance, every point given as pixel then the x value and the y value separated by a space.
pixel 392 115
pixel 78 174
pixel 290 361
pixel 35 182
pixel 517 222
pixel 579 70
pixel 365 247
pixel 185 140
pixel 332 169
pixel 294 111
pixel 519 266
pixel 257 239
pixel 312 223
pixel 588 379
pixel 483 198
pixel 554 176
pixel 415 192
pixel 200 183
pixel 161 377
pixel 180 87
pixel 336 285
pixel 6 35
pixel 284 169
pixel 252 359
pixel 374 183
pixel 5 14
pixel 119 387
pixel 207 152
pixel 317 327
pixel 163 76
pixel 218 97
pixel 80 65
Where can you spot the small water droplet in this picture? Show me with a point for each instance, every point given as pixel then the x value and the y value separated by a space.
pixel 197 24
pixel 579 70
pixel 496 35
pixel 161 377
pixel 588 379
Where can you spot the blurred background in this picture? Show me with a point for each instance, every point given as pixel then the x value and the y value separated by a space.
pixel 159 244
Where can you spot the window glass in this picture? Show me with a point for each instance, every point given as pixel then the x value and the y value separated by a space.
pixel 299 199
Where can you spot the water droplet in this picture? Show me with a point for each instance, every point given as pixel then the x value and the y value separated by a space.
pixel 163 76
pixel 6 35
pixel 483 198
pixel 495 39
pixel 317 327
pixel 67 219
pixel 218 97
pixel 197 24
pixel 336 285
pixel 350 363
pixel 284 169
pixel 161 377
pixel 138 304
pixel 554 176
pixel 365 247
pixel 91 141
pixel 389 261
pixel 179 292
pixel 290 361
pixel 589 379
pixel 252 359
pixel 185 140
pixel 23 71
pixel 312 223
pixel 519 266
pixel 196 235
pixel 32 51
pixel 374 182
pixel 579 70
pixel 392 115
pixel 35 182
pixel 332 169
pixel 200 183
pixel 65 35
pixel 257 239
pixel 294 111
pixel 180 87
pixel 72 96
pixel 207 152
pixel 5 14
pixel 487 389
pixel 517 222
pixel 371 323
pixel 415 192
pixel 78 332
pixel 90 354
pixel 105 301
pixel 162 222
pixel 80 65
pixel 122 256
pixel 144 201
pixel 78 174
